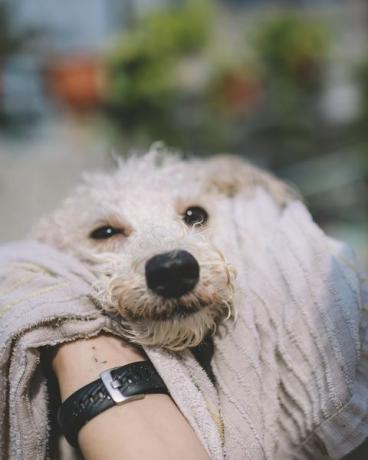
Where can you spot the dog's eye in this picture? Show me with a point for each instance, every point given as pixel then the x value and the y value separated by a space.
pixel 195 215
pixel 102 233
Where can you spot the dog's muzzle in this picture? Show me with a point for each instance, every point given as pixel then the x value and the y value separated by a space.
pixel 172 274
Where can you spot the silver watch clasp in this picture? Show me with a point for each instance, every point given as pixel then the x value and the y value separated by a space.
pixel 112 387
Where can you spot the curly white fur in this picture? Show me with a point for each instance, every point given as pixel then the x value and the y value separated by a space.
pixel 146 198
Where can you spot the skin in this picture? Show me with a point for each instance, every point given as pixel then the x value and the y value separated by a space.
pixel 152 427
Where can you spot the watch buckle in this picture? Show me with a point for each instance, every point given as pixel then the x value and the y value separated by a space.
pixel 111 386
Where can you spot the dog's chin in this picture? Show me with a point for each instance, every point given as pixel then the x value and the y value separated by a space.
pixel 173 311
pixel 182 328
pixel 173 324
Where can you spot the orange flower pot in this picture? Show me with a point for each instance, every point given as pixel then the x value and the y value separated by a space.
pixel 76 81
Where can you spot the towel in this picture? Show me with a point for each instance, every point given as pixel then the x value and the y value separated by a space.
pixel 291 371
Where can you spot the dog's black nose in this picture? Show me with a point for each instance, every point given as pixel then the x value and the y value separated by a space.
pixel 172 274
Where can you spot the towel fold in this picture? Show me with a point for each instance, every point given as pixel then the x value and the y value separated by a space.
pixel 46 299
pixel 291 372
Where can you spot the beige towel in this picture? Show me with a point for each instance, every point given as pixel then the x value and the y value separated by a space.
pixel 45 299
pixel 292 370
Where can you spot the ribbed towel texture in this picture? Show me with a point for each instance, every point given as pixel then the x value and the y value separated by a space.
pixel 291 371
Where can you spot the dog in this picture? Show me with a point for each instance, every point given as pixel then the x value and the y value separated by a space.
pixel 151 231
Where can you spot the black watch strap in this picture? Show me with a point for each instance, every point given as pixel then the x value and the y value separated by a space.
pixel 115 386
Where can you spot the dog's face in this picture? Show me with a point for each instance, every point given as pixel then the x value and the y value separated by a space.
pixel 150 233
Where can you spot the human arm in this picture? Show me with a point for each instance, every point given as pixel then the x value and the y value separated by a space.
pixel 152 427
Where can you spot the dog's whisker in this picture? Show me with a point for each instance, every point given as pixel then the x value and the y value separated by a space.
pixel 229 313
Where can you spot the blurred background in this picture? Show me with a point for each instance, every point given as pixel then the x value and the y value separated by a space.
pixel 282 83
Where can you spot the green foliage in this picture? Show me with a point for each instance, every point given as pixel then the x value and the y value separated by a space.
pixel 292 47
pixel 179 29
pixel 362 77
pixel 290 52
pixel 142 66
pixel 276 92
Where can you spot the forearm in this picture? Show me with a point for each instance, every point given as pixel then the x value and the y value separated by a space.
pixel 152 427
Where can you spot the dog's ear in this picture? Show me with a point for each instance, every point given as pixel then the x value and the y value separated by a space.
pixel 230 175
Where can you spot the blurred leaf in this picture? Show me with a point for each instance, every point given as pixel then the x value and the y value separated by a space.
pixel 291 46
pixel 362 81
pixel 142 65
pixel 180 29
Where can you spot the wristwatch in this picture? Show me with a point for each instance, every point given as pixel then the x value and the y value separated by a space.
pixel 114 387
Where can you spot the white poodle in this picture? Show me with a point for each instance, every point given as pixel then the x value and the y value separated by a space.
pixel 152 231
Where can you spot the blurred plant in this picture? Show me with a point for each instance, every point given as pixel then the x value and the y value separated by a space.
pixel 360 126
pixel 11 41
pixel 183 28
pixel 166 79
pixel 235 89
pixel 142 67
pixel 290 51
pixel 362 81
pixel 292 46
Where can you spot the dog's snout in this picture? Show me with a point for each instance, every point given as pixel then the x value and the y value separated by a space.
pixel 172 274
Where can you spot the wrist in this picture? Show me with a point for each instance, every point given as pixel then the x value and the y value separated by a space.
pixel 79 362
pixel 114 387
